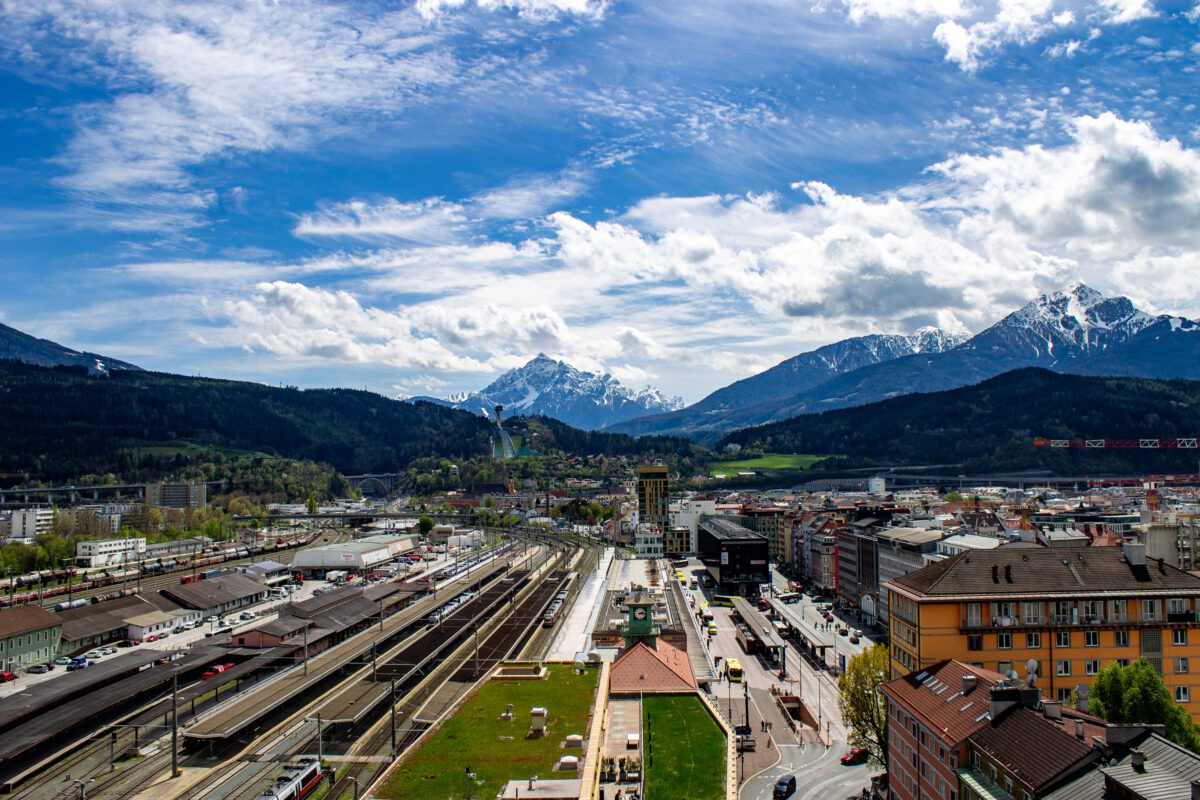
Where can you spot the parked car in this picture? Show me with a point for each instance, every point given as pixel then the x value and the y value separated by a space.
pixel 108 651
pixel 62 661
pixel 92 655
pixel 74 665
pixel 151 638
pixel 39 669
pixel 857 755
pixel 784 787
pixel 5 677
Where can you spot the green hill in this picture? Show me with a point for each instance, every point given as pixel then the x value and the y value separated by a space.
pixel 990 427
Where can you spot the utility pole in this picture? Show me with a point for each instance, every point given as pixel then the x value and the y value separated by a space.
pixel 746 687
pixel 393 719
pixel 175 726
pixel 306 649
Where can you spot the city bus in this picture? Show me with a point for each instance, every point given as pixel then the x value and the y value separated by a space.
pixel 788 597
pixel 733 668
pixel 723 600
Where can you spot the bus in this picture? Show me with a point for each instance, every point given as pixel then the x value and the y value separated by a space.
pixel 723 600
pixel 788 597
pixel 733 668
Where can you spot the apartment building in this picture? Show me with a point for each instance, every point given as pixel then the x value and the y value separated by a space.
pixel 1053 617
pixel 652 487
pixel 192 495
pixel 769 521
pixel 27 524
pixel 687 513
pixel 900 551
pixel 109 552
pixel 648 541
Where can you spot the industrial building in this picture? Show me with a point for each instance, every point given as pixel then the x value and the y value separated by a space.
pixel 361 554
pixel 735 557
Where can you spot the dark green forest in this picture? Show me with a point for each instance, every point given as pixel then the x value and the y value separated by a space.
pixel 990 427
pixel 58 424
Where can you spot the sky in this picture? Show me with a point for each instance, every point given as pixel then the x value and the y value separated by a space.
pixel 414 197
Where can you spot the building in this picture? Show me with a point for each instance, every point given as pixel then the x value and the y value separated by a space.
pixel 653 502
pixel 648 541
pixel 356 556
pixel 29 523
pixel 735 557
pixel 29 634
pixel 193 495
pixel 677 541
pixel 769 521
pixel 930 715
pixel 218 595
pixel 109 552
pixel 1055 617
pixel 687 513
pixel 1177 542
pixel 901 551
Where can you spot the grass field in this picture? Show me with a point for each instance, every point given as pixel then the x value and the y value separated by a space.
pixel 770 461
pixel 686 750
pixel 495 750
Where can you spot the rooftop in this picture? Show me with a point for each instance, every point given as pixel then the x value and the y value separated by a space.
pixel 24 619
pixel 1007 571
pixel 935 695
pixel 728 530
pixel 1031 748
pixel 642 668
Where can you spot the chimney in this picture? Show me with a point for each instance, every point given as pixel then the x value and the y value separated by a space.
pixel 1135 554
pixel 1052 709
pixel 1137 760
pixel 1078 729
pixel 1083 692
pixel 968 683
pixel 1195 790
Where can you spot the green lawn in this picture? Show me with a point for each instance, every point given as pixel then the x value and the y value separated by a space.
pixel 495 750
pixel 770 461
pixel 685 750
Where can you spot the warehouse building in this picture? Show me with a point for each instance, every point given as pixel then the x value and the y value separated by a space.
pixel 357 556
pixel 735 557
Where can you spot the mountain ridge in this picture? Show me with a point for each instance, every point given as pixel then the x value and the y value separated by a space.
pixel 17 345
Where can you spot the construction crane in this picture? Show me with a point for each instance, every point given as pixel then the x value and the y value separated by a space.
pixel 1183 443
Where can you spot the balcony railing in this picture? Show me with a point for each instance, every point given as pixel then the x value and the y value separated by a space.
pixel 1066 621
pixel 1181 616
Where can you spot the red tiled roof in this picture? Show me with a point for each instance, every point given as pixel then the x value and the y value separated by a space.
pixel 642 668
pixel 935 696
pixel 1034 749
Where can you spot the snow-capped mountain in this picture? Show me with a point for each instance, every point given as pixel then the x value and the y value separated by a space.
pixel 558 390
pixel 794 375
pixel 19 346
pixel 1058 328
pixel 1076 329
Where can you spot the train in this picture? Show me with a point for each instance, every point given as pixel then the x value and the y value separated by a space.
pixel 551 616
pixel 298 781
pixel 117 577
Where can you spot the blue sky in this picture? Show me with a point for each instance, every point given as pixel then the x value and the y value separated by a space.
pixel 415 197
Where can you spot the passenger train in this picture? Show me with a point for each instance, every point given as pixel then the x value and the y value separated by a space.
pixel 298 781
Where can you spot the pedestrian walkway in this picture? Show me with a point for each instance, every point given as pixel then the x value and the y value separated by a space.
pixel 575 632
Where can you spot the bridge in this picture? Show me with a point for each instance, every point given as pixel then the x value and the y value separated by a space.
pixel 378 484
pixel 24 496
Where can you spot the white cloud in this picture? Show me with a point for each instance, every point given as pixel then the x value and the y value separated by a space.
pixel 1120 12
pixel 531 9
pixel 429 221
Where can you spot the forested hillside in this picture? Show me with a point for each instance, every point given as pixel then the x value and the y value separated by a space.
pixel 990 427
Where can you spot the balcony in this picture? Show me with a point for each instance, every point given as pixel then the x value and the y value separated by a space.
pixel 1181 616
pixel 1067 621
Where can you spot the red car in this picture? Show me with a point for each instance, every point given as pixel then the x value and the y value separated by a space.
pixel 857 755
pixel 5 677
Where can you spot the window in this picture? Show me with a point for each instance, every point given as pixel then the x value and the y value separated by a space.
pixel 1063 668
pixel 1150 611
pixel 1008 785
pixel 1177 605
pixel 975 759
pixel 1033 640
pixel 1116 610
pixel 1091 638
pixel 1181 666
pixel 1183 694
pixel 1064 695
pixel 1091 666
pixel 974 614
pixel 1122 662
pixel 941 754
pixel 992 772
pixel 1031 613
pixel 1090 610
pixel 1062 639
pixel 1004 641
pixel 1062 612
pixel 1003 609
pixel 1179 636
pixel 975 641
pixel 1121 638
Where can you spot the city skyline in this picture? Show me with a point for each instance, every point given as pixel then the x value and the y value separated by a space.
pixel 414 199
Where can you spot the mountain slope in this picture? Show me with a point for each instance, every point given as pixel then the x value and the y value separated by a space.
pixel 789 377
pixel 990 426
pixel 1075 330
pixel 557 390
pixel 19 346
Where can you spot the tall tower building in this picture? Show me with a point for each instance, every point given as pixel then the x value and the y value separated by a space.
pixel 653 507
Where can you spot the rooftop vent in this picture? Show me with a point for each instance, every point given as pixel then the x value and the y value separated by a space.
pixel 968 684
pixel 1135 553
pixel 1137 760
pixel 1079 729
pixel 1052 709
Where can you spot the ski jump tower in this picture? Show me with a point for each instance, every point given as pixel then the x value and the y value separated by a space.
pixel 505 450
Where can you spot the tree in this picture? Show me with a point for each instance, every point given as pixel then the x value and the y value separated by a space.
pixel 1137 694
pixel 424 525
pixel 864 708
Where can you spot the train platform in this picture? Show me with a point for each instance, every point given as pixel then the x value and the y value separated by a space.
pixel 229 720
pixel 576 630
pixel 697 649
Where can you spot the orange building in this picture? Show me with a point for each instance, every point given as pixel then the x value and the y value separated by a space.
pixel 1065 613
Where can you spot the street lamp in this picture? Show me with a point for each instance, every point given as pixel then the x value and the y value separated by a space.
pixel 82 784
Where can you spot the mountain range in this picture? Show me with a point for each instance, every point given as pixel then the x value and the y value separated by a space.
pixel 19 346
pixel 555 389
pixel 1075 330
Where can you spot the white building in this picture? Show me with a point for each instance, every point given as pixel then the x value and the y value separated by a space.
pixel 29 523
pixel 110 552
pixel 877 486
pixel 648 541
pixel 686 513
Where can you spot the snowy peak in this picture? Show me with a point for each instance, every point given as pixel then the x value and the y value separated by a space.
pixel 1062 326
pixel 933 340
pixel 558 390
pixel 20 346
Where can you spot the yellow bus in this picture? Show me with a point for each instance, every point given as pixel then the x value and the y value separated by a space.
pixel 723 600
pixel 733 668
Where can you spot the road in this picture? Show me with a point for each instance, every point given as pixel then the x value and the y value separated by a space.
pixel 819 774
